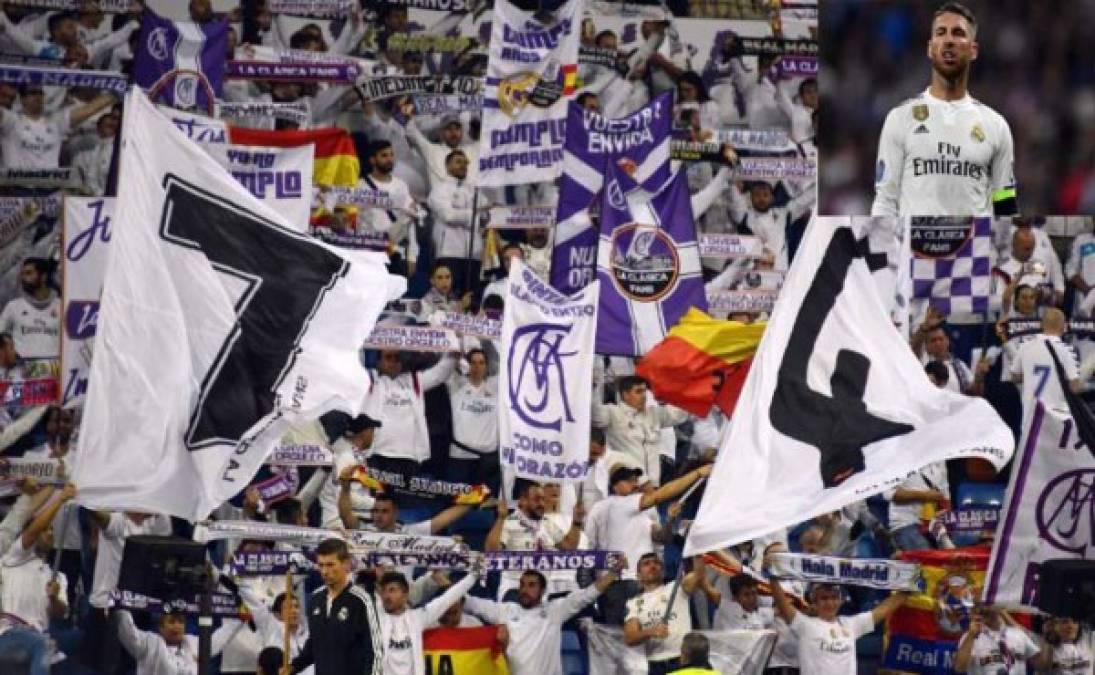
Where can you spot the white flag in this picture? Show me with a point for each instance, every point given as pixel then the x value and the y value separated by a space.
pixel 88 222
pixel 219 327
pixel 1047 511
pixel 545 379
pixel 836 406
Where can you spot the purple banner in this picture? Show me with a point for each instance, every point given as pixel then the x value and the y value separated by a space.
pixel 639 144
pixel 301 71
pixel 798 66
pixel 649 267
pixel 165 46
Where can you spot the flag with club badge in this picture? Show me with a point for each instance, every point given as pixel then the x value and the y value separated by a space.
pixel 952 261
pixel 187 56
pixel 648 264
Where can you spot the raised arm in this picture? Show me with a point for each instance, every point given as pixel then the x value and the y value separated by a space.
pixel 439 605
pixel 137 642
pixel 674 487
pixel 79 114
pixel 43 520
pixel 345 500
pixel 884 609
pixel 494 537
pixel 448 517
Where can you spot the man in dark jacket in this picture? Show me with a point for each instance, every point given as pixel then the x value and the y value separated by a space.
pixel 343 636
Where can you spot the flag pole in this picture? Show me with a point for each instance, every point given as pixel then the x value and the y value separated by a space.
pixel 680 573
pixel 471 239
pixel 285 624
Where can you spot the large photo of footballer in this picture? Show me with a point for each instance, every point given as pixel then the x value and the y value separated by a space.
pixel 968 108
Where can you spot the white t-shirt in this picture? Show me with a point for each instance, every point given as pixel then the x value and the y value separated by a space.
pixel 474 415
pixel 620 524
pixel 931 477
pixel 32 143
pixel 23 579
pixel 649 608
pixel 1075 658
pixel 520 533
pixel 1034 366
pixel 943 158
pixel 828 647
pixel 1003 652
pixel 36 328
pixel 731 616
pixel 108 557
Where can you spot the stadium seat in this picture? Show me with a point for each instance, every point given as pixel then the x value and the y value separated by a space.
pixel 574 659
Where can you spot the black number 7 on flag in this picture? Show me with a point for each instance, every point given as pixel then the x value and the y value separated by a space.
pixel 839 426
pixel 285 276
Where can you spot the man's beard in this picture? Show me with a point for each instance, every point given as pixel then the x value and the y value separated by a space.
pixel 953 73
pixel 28 288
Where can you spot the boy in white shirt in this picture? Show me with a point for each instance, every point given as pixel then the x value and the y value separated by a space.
pixel 993 646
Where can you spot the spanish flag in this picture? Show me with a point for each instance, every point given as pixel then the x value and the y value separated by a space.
pixel 570 79
pixel 702 362
pixel 336 161
pixel 463 651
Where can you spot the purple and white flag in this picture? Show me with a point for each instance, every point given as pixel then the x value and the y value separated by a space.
pixel 592 141
pixel 952 263
pixel 648 264
pixel 198 51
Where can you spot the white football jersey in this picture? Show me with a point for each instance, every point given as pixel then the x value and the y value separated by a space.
pixel 944 158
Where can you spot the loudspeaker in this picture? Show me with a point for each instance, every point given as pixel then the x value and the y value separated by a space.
pixel 1067 588
pixel 162 567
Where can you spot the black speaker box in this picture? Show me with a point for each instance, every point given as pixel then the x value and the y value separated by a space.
pixel 1067 588
pixel 162 567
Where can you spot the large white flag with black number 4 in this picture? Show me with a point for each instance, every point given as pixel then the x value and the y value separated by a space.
pixel 219 327
pixel 836 406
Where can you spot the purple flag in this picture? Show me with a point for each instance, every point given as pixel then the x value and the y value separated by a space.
pixel 592 141
pixel 197 50
pixel 648 264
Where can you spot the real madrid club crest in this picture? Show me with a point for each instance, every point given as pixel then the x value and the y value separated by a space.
pixel 920 112
pixel 343 614
pixel 540 89
pixel 954 596
pixel 645 264
pixel 977 133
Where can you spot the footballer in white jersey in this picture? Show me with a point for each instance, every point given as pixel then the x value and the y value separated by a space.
pixel 943 153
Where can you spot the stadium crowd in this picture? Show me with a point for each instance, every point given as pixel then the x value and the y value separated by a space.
pixel 436 416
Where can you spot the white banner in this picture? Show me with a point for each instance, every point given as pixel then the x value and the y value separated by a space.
pixel 413 339
pixel 532 71
pixel 220 326
pixel 873 573
pixel 280 177
pixel 1048 510
pixel 521 217
pixel 87 232
pixel 836 407
pixel 546 378
pixel 733 652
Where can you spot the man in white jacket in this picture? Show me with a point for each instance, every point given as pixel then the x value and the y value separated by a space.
pixel 169 651
pixel 634 429
pixel 401 626
pixel 536 628
pixel 456 242
pixel 396 400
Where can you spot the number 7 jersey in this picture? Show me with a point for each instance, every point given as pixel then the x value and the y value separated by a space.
pixel 944 158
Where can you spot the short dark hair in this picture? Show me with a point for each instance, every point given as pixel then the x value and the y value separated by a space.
pixel 394 578
pixel 959 9
pixel 597 436
pixel 270 660
pixel 454 153
pixel 288 510
pixel 521 486
pixel 603 34
pixel 386 497
pixel 584 96
pixel 695 649
pixel 301 38
pixel 377 146
pixel 494 302
pixel 335 547
pixel 938 370
pixel 438 265
pixel 279 602
pixel 41 265
pixel 740 582
pixel 628 382
pixel 55 21
pixel 475 350
pixel 539 578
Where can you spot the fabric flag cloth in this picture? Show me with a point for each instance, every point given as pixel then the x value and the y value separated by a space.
pixel 545 379
pixel 196 53
pixel 639 141
pixel 87 230
pixel 648 264
pixel 336 161
pixel 952 263
pixel 532 70
pixel 702 362
pixel 923 634
pixel 836 407
pixel 1045 516
pixel 732 652
pixel 464 651
pixel 219 328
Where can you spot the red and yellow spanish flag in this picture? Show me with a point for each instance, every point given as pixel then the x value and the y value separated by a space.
pixel 570 79
pixel 336 161
pixel 702 362
pixel 463 651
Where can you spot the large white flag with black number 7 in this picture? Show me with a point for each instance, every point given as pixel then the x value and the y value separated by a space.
pixel 219 327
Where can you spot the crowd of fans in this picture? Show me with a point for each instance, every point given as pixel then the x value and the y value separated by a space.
pixel 873 58
pixel 437 416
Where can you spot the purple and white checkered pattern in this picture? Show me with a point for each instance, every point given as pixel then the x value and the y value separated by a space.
pixel 962 283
